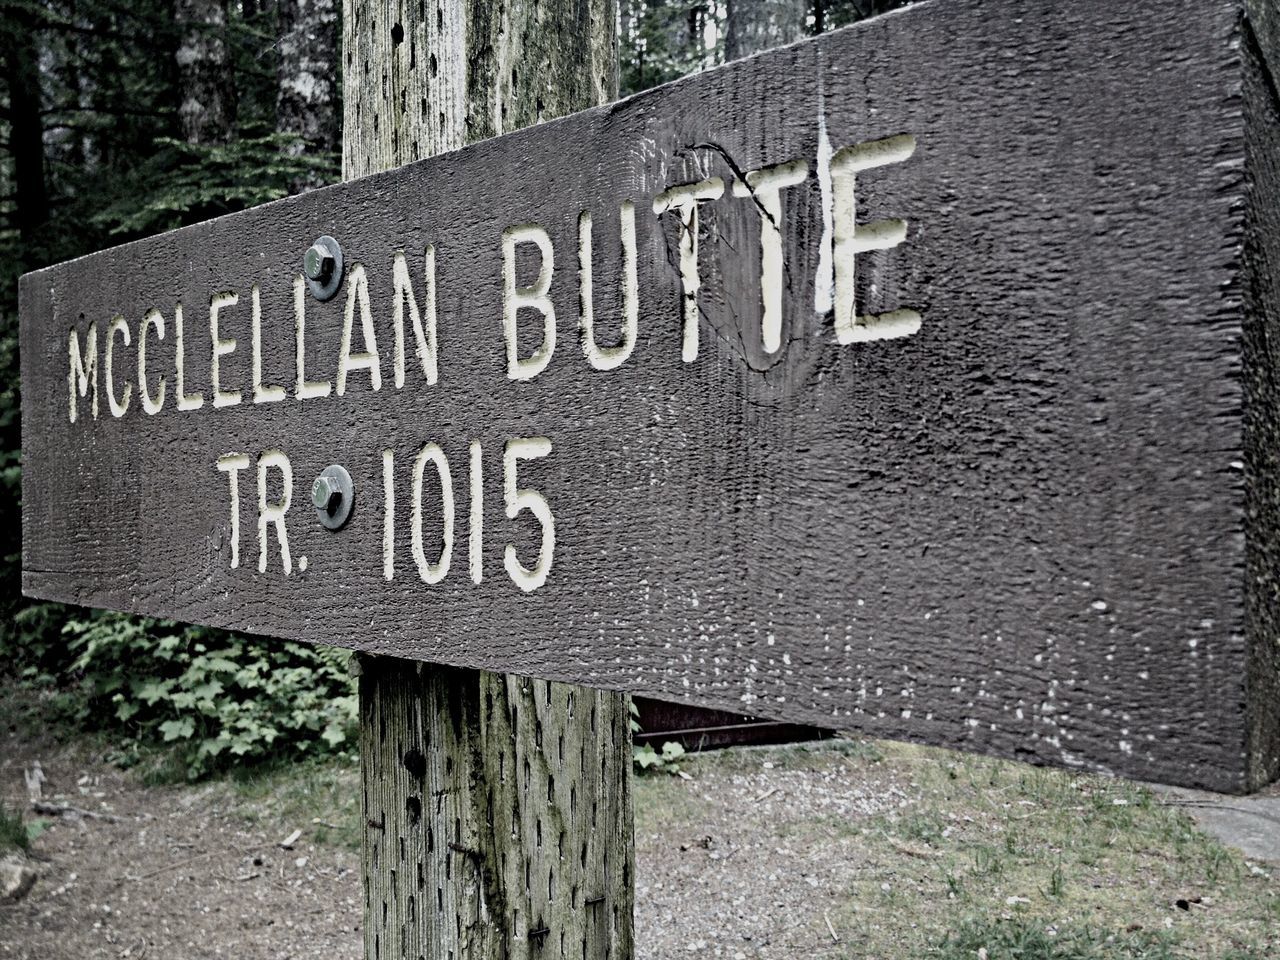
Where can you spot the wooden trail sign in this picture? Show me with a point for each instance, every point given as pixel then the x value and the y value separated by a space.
pixel 917 379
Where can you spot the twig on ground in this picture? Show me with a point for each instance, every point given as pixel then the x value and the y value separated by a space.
pixel 240 879
pixel 62 810
pixel 830 928
pixel 172 866
pixel 911 850
pixel 190 860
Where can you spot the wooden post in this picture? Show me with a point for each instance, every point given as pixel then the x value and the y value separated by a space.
pixel 497 809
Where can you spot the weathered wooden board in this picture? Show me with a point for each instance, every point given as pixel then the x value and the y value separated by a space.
pixel 1038 520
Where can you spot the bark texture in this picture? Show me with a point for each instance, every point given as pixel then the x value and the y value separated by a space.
pixel 498 816
pixel 755 25
pixel 307 77
pixel 207 112
pixel 498 809
pixel 425 79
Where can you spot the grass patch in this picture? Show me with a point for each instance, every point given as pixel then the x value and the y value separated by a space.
pixel 1020 862
pixel 321 798
pixel 13 832
pixel 17 834
pixel 796 756
pixel 1021 940
pixel 1041 864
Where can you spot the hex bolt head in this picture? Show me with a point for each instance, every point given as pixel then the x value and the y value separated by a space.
pixel 318 263
pixel 322 265
pixel 325 494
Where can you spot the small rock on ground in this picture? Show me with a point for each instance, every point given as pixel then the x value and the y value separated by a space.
pixel 17 877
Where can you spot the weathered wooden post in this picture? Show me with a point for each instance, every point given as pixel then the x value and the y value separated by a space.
pixel 497 809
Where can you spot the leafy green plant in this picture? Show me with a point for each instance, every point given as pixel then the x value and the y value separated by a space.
pixel 31 646
pixel 216 698
pixel 13 832
pixel 647 758
pixel 1057 883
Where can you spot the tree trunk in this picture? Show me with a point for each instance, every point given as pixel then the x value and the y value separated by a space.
pixel 755 25
pixel 26 135
pixel 686 25
pixel 471 70
pixel 307 75
pixel 207 112
pixel 498 809
pixel 64 58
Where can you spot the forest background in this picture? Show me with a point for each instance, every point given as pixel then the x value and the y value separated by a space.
pixel 124 118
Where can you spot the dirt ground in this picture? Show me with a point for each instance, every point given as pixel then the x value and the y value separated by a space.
pixel 755 855
pixel 171 876
pixel 179 872
pixel 746 860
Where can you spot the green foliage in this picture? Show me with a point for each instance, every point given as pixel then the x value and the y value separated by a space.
pixel 1020 939
pixel 13 832
pixel 32 648
pixel 662 40
pixel 184 183
pixel 833 14
pixel 216 698
pixel 37 827
pixel 647 758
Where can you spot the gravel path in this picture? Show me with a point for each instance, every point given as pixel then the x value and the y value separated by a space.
pixel 749 863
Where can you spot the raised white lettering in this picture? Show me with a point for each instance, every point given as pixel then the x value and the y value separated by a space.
pixel 151 405
pixel 261 393
pixel 516 499
pixel 272 514
pixel 607 358
pixel 425 340
pixel 83 373
pixel 684 200
pixel 367 359
pixel 765 187
pixel 221 348
pixel 231 464
pixel 515 298
pixel 475 533
pixel 118 407
pixel 432 572
pixel 850 238
pixel 186 401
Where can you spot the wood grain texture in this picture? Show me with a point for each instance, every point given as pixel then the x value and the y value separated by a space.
pixel 1260 289
pixel 1023 530
pixel 461 71
pixel 497 809
pixel 498 816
